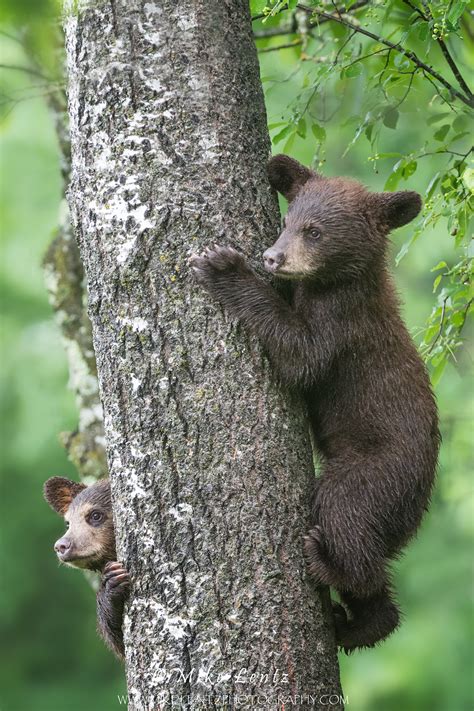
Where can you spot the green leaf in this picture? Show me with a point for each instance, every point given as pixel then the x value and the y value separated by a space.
pixel 281 135
pixel 354 70
pixel 409 169
pixel 403 251
pixel 431 332
pixel 458 136
pixel 279 5
pixel 459 122
pixel 318 132
pixel 432 185
pixel 379 156
pixel 257 6
pixel 423 31
pixel 468 179
pixel 288 145
pixel 390 117
pixel 359 130
pixel 438 371
pixel 301 128
pixel 437 117
pixel 405 247
pixel 394 177
pixel 401 61
pixel 442 132
pixel 455 12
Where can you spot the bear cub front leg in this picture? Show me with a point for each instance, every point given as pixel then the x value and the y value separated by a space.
pixel 111 597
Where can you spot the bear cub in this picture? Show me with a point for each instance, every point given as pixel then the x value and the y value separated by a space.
pixel 89 543
pixel 338 339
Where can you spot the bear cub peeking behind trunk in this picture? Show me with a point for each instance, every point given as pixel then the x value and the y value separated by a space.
pixel 339 340
pixel 89 543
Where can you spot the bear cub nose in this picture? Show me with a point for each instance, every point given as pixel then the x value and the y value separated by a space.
pixel 273 259
pixel 62 546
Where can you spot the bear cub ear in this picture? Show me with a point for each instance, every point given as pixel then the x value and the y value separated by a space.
pixel 287 176
pixel 398 209
pixel 59 492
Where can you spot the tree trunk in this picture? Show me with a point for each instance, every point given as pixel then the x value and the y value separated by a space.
pixel 210 464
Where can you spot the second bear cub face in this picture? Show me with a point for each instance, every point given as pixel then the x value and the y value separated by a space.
pixel 334 229
pixel 89 541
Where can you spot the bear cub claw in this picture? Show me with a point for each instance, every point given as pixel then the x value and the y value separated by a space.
pixel 116 579
pixel 311 543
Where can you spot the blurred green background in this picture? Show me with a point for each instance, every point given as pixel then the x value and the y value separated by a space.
pixel 52 659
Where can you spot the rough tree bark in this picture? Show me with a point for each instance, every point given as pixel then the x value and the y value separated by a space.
pixel 210 464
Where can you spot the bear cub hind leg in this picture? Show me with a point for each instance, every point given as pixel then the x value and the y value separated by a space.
pixel 372 619
pixel 368 613
pixel 317 562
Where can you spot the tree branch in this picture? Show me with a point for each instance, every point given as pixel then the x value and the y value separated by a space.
pixel 263 15
pixel 415 9
pixel 289 45
pixel 342 10
pixel 275 32
pixel 443 46
pixel 27 70
pixel 441 324
pixel 466 99
pixel 454 68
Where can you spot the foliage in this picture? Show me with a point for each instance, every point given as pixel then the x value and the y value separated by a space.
pixel 364 66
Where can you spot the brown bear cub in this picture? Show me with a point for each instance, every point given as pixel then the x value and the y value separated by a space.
pixel 90 543
pixel 339 340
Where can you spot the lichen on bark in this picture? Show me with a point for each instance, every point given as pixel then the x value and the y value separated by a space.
pixel 210 464
pixel 64 275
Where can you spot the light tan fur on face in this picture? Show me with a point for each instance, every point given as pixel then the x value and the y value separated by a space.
pixel 298 261
pixel 91 544
pixel 87 543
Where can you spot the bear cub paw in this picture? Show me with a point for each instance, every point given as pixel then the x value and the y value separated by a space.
pixel 116 580
pixel 215 262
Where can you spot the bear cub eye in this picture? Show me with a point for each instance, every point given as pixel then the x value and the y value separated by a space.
pixel 313 233
pixel 95 517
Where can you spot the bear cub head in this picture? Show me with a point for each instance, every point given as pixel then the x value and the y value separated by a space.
pixel 89 541
pixel 334 228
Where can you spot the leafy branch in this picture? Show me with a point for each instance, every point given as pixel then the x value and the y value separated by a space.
pixel 467 97
pixel 428 17
pixel 347 66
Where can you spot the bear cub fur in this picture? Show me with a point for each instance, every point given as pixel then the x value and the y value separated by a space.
pixel 89 543
pixel 339 340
